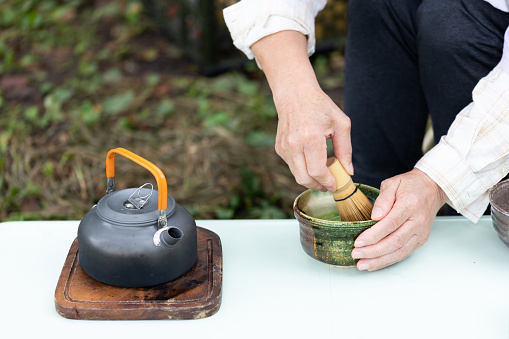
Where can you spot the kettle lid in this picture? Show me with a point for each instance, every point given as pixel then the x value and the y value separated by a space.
pixel 115 207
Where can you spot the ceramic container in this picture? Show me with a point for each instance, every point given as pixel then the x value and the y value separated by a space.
pixel 499 200
pixel 322 234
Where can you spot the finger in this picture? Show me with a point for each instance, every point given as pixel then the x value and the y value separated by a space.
pixel 387 245
pixel 342 144
pixel 393 215
pixel 391 258
pixel 386 199
pixel 315 154
pixel 297 166
pixel 386 226
pixel 295 160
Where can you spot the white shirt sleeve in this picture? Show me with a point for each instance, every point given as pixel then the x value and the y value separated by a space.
pixel 250 20
pixel 474 155
pixel 502 5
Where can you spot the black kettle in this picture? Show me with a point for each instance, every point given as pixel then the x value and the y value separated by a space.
pixel 136 237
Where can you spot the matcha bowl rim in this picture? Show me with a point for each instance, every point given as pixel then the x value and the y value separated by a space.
pixel 366 189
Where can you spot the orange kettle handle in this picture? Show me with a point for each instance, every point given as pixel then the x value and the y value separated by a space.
pixel 156 172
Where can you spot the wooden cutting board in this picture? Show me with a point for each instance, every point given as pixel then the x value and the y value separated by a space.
pixel 195 295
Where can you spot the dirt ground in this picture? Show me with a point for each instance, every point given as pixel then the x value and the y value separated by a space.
pixel 80 78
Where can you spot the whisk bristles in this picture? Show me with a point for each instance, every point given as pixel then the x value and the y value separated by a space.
pixel 352 204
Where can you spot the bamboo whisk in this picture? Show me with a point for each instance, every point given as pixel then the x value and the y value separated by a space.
pixel 352 204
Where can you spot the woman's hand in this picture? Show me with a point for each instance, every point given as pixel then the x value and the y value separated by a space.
pixel 406 208
pixel 307 116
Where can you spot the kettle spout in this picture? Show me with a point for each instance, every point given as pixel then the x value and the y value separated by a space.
pixel 169 236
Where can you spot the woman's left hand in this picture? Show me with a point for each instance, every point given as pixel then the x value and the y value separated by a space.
pixel 406 208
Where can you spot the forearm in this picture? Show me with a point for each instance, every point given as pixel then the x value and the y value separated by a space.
pixel 285 62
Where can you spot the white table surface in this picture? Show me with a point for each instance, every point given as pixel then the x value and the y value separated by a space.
pixel 456 286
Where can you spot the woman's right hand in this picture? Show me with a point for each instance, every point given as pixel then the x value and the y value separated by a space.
pixel 307 116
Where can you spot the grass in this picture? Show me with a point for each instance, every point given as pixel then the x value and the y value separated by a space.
pixel 78 78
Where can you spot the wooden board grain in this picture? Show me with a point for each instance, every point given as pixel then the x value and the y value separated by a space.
pixel 195 295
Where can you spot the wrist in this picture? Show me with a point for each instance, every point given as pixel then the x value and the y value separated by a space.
pixel 438 192
pixel 295 89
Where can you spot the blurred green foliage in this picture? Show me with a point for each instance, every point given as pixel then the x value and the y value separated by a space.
pixel 78 78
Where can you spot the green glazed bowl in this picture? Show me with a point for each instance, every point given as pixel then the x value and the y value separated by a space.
pixel 322 234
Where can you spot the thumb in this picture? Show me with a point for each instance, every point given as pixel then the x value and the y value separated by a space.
pixel 385 201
